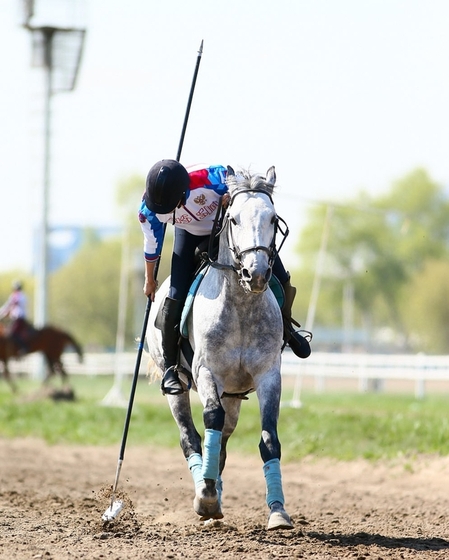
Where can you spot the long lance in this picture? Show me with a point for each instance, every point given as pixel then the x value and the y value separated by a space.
pixel 117 505
pixel 183 133
pixel 189 102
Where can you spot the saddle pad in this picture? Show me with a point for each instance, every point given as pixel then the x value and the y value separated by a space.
pixel 275 286
pixel 278 290
pixel 189 301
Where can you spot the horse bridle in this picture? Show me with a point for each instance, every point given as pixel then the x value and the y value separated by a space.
pixel 271 249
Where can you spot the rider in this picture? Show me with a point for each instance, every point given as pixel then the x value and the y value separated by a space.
pixel 189 200
pixel 15 308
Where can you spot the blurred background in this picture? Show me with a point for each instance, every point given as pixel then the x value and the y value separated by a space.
pixel 348 99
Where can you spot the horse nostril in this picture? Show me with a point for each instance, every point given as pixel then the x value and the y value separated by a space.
pixel 246 275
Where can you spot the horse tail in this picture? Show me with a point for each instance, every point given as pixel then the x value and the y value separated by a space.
pixel 154 372
pixel 76 346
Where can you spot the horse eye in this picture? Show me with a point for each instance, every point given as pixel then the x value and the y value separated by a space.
pixel 274 219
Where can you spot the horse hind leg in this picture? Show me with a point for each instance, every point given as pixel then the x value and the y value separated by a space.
pixel 58 367
pixel 50 369
pixel 190 439
pixel 8 378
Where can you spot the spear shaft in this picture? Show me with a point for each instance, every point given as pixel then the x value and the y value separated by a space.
pixel 117 505
pixel 189 102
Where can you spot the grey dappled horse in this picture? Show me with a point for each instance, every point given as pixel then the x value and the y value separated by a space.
pixel 235 329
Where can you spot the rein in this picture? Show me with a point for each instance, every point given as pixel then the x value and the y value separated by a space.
pixel 217 229
pixel 226 223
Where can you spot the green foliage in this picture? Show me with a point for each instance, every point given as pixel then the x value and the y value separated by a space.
pixel 377 246
pixel 425 307
pixel 84 294
pixel 379 249
pixel 129 195
pixel 343 427
pixel 417 219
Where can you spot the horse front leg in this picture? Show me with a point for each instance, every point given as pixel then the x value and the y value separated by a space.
pixel 207 502
pixel 269 393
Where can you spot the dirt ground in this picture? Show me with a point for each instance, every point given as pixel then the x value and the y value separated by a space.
pixel 52 499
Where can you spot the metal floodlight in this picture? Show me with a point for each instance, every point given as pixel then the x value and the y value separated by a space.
pixel 60 50
pixel 28 11
pixel 57 46
pixel 68 49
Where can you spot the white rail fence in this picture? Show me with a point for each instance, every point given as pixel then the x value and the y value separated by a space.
pixel 320 366
pixel 369 370
pixel 107 363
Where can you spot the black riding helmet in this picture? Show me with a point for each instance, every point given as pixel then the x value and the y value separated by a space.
pixel 167 184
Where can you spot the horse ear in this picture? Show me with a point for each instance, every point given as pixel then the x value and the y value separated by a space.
pixel 231 171
pixel 271 175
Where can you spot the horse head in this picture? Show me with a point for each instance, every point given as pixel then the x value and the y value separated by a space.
pixel 250 228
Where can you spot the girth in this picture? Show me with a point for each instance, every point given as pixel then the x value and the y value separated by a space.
pixel 241 396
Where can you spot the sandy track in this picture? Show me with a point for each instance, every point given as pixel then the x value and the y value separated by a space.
pixel 52 499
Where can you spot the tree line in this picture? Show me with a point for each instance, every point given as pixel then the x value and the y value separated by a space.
pixel 384 269
pixel 385 265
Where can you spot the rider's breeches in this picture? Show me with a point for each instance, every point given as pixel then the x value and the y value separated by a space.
pixel 279 271
pixel 183 262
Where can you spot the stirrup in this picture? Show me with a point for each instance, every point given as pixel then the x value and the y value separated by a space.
pixel 170 383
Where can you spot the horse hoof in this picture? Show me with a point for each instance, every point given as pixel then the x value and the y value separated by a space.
pixel 207 509
pixel 279 520
pixel 207 505
pixel 215 517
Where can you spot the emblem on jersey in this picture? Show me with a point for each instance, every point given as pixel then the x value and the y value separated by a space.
pixel 200 199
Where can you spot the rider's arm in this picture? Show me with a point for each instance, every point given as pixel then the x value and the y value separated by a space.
pixel 6 308
pixel 153 236
pixel 150 285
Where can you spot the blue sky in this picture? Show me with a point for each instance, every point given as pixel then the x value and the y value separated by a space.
pixel 338 95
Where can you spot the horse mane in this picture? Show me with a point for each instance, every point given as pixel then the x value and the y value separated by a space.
pixel 244 180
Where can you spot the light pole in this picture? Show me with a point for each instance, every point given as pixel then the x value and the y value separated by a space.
pixel 58 50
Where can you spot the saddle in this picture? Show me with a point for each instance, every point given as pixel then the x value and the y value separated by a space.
pixel 21 332
pixel 22 329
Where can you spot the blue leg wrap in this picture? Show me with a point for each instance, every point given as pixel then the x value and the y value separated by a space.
pixel 211 458
pixel 195 462
pixel 273 480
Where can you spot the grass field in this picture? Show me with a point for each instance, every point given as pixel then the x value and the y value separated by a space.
pixel 343 426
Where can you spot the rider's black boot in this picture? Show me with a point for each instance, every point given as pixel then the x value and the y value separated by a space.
pixel 168 322
pixel 298 343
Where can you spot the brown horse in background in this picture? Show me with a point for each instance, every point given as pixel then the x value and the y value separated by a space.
pixel 49 340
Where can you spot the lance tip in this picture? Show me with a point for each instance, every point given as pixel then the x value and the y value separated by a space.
pixel 200 52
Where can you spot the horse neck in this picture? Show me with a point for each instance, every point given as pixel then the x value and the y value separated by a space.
pixel 224 251
pixel 228 278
